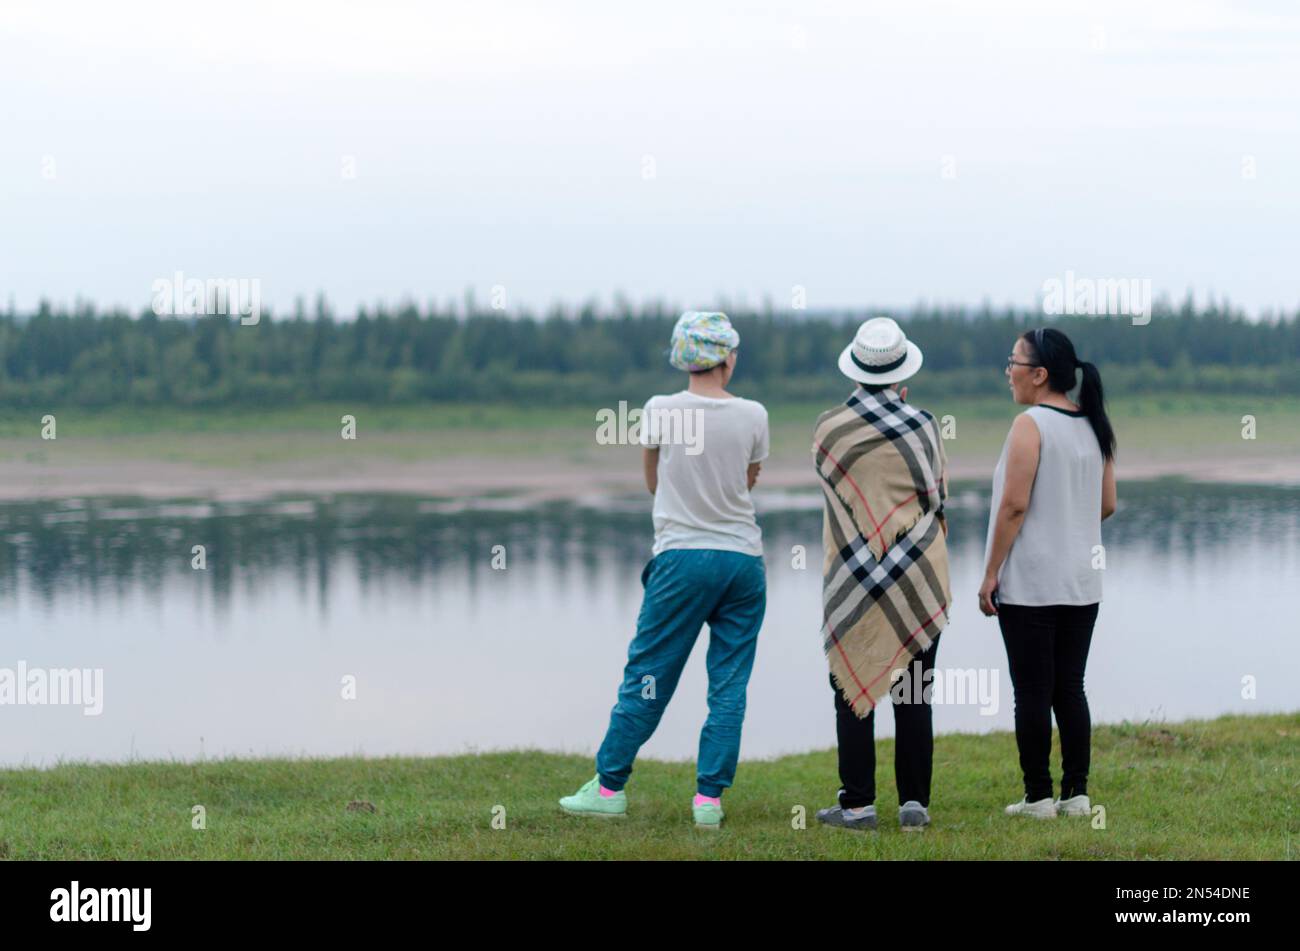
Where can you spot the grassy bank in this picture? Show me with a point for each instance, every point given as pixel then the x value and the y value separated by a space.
pixel 1149 427
pixel 1217 789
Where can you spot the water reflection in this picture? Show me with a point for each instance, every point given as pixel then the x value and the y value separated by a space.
pixel 246 655
pixel 100 548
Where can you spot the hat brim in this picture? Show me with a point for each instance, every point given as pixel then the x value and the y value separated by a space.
pixel 911 363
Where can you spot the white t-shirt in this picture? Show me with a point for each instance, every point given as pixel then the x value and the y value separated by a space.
pixel 705 447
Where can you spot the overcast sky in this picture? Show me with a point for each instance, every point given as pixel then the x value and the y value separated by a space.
pixel 872 153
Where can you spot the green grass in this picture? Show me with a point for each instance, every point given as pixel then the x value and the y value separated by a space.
pixel 1151 427
pixel 1219 789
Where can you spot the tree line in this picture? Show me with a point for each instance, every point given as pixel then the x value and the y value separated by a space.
pixel 411 354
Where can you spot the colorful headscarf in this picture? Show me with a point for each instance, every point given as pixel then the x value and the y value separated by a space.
pixel 701 340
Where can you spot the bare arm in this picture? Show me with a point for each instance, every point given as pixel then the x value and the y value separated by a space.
pixel 1109 494
pixel 943 494
pixel 943 476
pixel 751 474
pixel 650 466
pixel 1022 466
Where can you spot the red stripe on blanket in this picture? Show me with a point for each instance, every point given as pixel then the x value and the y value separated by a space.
pixel 885 521
pixel 901 648
pixel 855 486
pixel 852 673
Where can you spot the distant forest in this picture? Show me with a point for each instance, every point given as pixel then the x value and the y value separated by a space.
pixel 407 354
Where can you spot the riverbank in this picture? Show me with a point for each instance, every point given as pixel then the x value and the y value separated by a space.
pixel 453 450
pixel 1217 789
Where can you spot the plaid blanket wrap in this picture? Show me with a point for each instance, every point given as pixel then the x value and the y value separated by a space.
pixel 885 590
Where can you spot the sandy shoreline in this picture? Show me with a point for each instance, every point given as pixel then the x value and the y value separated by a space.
pixel 540 478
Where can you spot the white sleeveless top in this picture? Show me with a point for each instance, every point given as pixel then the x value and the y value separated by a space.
pixel 1051 561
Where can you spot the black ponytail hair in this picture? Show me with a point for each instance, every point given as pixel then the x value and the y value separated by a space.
pixel 1055 353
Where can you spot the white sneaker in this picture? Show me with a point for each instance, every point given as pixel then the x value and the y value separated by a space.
pixel 1041 809
pixel 1074 806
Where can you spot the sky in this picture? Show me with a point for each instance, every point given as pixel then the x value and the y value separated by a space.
pixel 835 154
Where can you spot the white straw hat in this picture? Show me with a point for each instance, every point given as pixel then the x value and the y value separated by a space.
pixel 880 354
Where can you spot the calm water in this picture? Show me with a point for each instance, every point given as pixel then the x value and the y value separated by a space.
pixel 249 655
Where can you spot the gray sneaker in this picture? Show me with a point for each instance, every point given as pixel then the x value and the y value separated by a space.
pixel 912 816
pixel 834 816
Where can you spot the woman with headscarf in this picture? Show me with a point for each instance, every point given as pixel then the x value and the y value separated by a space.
pixel 702 451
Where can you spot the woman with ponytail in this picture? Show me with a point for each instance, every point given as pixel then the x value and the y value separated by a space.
pixel 1053 486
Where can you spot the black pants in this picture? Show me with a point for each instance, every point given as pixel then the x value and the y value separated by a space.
pixel 913 744
pixel 1047 651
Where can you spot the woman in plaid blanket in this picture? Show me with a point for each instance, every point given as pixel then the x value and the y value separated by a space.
pixel 885 578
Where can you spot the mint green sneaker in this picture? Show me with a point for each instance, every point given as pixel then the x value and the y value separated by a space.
pixel 588 801
pixel 707 816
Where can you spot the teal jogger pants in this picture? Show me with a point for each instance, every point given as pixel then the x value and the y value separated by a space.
pixel 686 588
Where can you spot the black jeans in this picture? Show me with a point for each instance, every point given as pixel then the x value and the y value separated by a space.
pixel 913 744
pixel 1047 651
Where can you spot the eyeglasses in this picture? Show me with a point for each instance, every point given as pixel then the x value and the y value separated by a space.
pixel 1013 362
